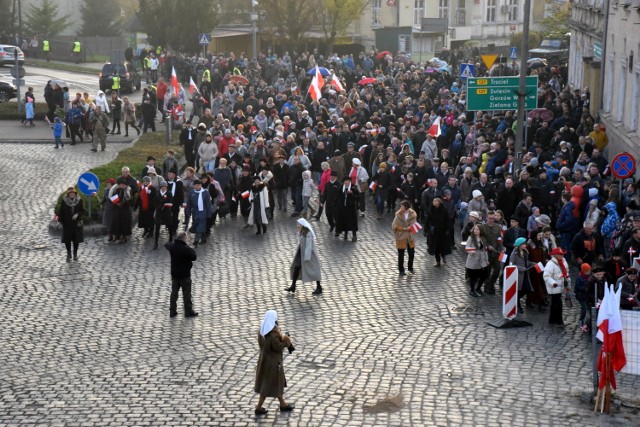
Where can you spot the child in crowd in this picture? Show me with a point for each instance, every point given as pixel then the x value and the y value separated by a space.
pixel 29 112
pixel 308 188
pixel 57 126
pixel 581 294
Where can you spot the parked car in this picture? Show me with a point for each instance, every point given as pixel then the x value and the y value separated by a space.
pixel 129 78
pixel 7 55
pixel 554 51
pixel 7 91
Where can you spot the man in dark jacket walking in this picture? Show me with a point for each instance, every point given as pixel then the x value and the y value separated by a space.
pixel 182 257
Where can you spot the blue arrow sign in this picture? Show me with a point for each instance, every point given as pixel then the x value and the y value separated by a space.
pixel 467 70
pixel 514 53
pixel 88 183
pixel 204 39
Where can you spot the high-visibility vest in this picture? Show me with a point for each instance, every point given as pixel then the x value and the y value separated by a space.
pixel 147 62
pixel 45 45
pixel 158 50
pixel 236 71
pixel 206 76
pixel 76 47
pixel 116 83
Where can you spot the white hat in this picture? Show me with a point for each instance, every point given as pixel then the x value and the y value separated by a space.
pixel 474 214
pixel 356 161
pixel 151 170
pixel 476 193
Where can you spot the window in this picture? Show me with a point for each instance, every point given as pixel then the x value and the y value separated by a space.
pixel 622 84
pixel 635 95
pixel 608 98
pixel 443 8
pixel 491 10
pixel 418 12
pixel 461 14
pixel 377 8
pixel 512 15
pixel 404 43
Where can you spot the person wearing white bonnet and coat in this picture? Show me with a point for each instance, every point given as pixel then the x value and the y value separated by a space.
pixel 102 102
pixel 477 204
pixel 306 264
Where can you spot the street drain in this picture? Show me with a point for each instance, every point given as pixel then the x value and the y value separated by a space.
pixel 465 309
pixel 388 404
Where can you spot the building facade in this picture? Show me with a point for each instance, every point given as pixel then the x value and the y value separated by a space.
pixel 621 91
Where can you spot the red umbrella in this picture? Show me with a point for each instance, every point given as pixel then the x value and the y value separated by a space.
pixel 383 54
pixel 367 81
pixel 239 79
pixel 545 114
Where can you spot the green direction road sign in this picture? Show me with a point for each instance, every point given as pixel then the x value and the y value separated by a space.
pixel 597 50
pixel 500 93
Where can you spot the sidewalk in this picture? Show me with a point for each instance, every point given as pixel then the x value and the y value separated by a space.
pixel 14 131
pixel 83 67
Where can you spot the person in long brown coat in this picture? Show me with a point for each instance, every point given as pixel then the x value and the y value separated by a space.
pixel 270 379
pixel 405 217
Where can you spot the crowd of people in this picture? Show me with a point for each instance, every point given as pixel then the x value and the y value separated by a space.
pixel 255 139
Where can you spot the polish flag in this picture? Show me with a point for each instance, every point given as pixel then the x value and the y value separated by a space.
pixel 168 205
pixel 192 85
pixel 610 333
pixel 470 250
pixel 503 257
pixel 539 267
pixel 335 82
pixel 174 81
pixel 415 228
pixel 393 169
pixel 317 83
pixel 245 195
pixel 434 130
pixel 115 198
pixel 373 186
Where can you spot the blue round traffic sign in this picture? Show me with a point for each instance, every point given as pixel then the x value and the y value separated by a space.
pixel 88 184
pixel 623 166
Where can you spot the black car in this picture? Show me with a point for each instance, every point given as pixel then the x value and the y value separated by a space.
pixel 129 77
pixel 7 91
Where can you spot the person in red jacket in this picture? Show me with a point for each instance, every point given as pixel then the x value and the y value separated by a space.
pixel 161 91
pixel 225 142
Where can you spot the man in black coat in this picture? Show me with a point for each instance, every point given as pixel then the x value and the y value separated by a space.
pixel 508 198
pixel 330 197
pixel 182 257
pixel 188 140
pixel 176 189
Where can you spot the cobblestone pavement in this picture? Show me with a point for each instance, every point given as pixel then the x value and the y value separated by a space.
pixel 91 342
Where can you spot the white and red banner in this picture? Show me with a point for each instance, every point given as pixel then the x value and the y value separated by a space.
pixel 174 81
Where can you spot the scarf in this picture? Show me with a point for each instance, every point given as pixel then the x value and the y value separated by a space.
pixel 565 274
pixel 200 202
pixel 173 188
pixel 354 175
pixel 144 198
pixel 346 190
pixel 269 322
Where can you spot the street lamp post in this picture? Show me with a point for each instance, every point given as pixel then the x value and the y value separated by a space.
pixel 254 30
pixel 522 90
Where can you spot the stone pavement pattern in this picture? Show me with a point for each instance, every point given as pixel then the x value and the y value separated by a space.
pixel 91 343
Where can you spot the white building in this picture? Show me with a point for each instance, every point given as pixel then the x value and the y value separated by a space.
pixel 621 92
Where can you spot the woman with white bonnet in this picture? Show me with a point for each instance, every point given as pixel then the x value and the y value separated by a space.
pixel 306 264
pixel 270 379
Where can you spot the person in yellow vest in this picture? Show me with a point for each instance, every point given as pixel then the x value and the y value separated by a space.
pixel 146 65
pixel 115 83
pixel 236 71
pixel 75 51
pixel 599 137
pixel 46 48
pixel 158 50
pixel 206 76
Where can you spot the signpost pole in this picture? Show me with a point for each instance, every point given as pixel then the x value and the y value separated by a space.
pixel 522 93
pixel 89 203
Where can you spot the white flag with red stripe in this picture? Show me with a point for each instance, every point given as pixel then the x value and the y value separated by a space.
pixel 335 82
pixel 317 83
pixel 115 198
pixel 434 130
pixel 192 85
pixel 245 195
pixel 373 186
pixel 174 80
pixel 415 227
pixel 539 267
pixel 503 257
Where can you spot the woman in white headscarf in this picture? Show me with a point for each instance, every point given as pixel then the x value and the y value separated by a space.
pixel 270 379
pixel 306 263
pixel 101 101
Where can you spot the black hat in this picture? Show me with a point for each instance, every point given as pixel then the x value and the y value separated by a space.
pixel 631 270
pixel 514 218
pixel 597 269
pixel 150 158
pixel 173 171
pixel 188 122
pixel 197 181
pixel 334 173
pixel 246 167
pixel 121 180
pixel 337 153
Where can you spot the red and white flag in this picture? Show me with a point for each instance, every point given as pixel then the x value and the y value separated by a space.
pixel 115 198
pixel 174 81
pixel 373 186
pixel 245 195
pixel 610 333
pixel 434 130
pixel 192 85
pixel 631 251
pixel 317 83
pixel 539 267
pixel 335 82
pixel 503 257
pixel 415 228
pixel 470 250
